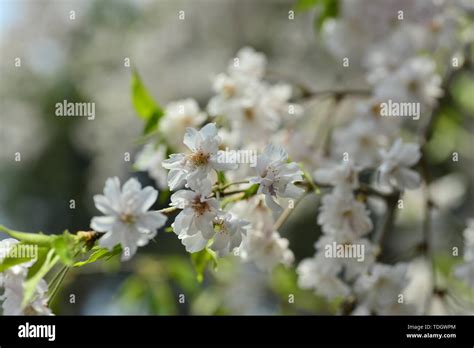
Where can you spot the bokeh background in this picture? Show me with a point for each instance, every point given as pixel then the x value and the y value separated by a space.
pixel 65 158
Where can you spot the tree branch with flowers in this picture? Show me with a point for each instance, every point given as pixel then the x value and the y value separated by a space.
pixel 359 172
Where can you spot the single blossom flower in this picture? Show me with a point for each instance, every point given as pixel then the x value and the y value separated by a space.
pixel 197 170
pixel 149 159
pixel 343 217
pixel 361 140
pixel 344 176
pixel 415 81
pixel 276 177
pixel 229 232
pixel 194 224
pixel 379 291
pixel 127 219
pixel 394 169
pixel 178 116
pixel 248 63
pixel 321 274
pixel 267 249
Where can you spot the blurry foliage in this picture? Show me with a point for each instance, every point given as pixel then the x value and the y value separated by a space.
pixel 145 105
pixel 326 9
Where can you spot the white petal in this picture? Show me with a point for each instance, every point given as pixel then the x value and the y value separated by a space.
pixel 132 186
pixel 194 243
pixel 191 138
pixel 182 198
pixel 145 199
pixel 221 241
pixel 103 204
pixel 102 223
pixel 151 220
pixel 112 191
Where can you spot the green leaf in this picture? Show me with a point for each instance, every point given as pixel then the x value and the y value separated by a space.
pixel 201 260
pixel 145 105
pixel 152 123
pixel 329 9
pixel 29 238
pixel 34 278
pixel 100 253
pixel 64 246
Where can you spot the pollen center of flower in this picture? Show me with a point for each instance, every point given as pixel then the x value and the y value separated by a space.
pixel 219 225
pixel 229 90
pixel 376 108
pixel 188 121
pixel 199 158
pixel 249 113
pixel 200 207
pixel 127 218
pixel 413 86
pixel 347 214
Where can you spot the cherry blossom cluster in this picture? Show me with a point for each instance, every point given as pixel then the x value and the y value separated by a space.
pixel 393 54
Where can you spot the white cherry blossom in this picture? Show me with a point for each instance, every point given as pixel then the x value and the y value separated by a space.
pixel 197 169
pixel 343 217
pixel 361 140
pixel 343 176
pixel 276 177
pixel 266 249
pixel 229 232
pixel 179 116
pixel 321 275
pixel 248 63
pixel 127 219
pixel 194 224
pixel 379 291
pixel 395 167
pixel 415 81
pixel 149 159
